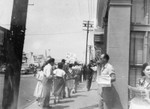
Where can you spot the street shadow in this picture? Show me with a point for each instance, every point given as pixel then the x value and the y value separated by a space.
pixel 66 101
pixel 59 107
pixel 75 96
pixel 90 107
pixel 116 99
pixel 80 91
pixel 93 89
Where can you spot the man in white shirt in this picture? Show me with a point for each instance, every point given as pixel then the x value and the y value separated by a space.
pixel 106 93
pixel 47 82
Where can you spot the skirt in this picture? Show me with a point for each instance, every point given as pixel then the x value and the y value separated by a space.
pixel 59 85
pixel 38 92
pixel 70 83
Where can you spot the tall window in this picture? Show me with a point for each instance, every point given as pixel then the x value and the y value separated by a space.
pixel 139 44
pixel 136 56
pixel 140 11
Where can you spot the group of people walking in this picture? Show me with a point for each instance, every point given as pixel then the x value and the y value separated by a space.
pixel 64 79
pixel 60 80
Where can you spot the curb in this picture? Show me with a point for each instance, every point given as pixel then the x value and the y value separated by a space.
pixel 28 104
pixel 27 75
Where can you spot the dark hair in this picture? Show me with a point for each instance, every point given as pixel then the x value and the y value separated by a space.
pixel 70 65
pixel 106 56
pixel 51 60
pixel 44 64
pixel 63 60
pixel 143 68
pixel 60 65
pixel 91 61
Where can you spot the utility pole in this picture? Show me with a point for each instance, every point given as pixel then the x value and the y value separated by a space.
pixel 14 51
pixel 90 53
pixel 89 26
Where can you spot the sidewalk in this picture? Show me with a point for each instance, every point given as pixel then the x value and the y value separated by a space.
pixel 83 99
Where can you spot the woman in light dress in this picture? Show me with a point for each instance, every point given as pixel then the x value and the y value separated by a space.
pixel 38 93
pixel 59 82
pixel 142 92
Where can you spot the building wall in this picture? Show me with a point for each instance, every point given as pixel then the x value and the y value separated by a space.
pixel 118 42
pixel 140 39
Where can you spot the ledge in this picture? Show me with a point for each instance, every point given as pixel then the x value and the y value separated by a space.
pixel 140 27
pixel 120 4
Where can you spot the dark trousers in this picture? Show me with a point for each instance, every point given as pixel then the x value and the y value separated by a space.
pixel 89 82
pixel 106 95
pixel 47 88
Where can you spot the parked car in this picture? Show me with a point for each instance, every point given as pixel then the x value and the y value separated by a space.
pixel 28 69
pixel 25 68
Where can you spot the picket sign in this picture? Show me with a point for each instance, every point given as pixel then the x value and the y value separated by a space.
pixel 104 80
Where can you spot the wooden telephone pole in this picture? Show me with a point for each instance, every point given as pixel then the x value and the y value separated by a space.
pixel 14 50
pixel 89 26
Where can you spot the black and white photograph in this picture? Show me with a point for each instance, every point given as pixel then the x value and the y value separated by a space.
pixel 74 54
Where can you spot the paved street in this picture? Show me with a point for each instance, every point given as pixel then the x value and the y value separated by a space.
pixel 81 100
pixel 27 86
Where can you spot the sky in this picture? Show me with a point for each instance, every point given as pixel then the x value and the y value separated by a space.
pixel 56 25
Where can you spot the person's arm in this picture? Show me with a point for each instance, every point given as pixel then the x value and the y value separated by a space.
pixel 113 77
pixel 48 72
pixel 112 74
pixel 64 74
pixel 54 73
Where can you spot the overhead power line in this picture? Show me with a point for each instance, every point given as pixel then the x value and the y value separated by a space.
pixel 54 33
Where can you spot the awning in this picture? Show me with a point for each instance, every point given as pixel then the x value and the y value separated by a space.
pixel 101 11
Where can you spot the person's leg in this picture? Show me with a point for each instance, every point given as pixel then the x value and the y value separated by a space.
pixel 69 92
pixel 101 103
pixel 100 99
pixel 55 100
pixel 63 93
pixel 75 89
pixel 90 82
pixel 47 94
pixel 108 105
pixel 87 84
pixel 66 90
pixel 46 97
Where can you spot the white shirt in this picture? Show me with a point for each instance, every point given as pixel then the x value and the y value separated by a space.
pixel 48 70
pixel 107 69
pixel 59 72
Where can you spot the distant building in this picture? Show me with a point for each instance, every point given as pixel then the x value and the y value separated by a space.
pixel 30 58
pixel 24 58
pixel 39 60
